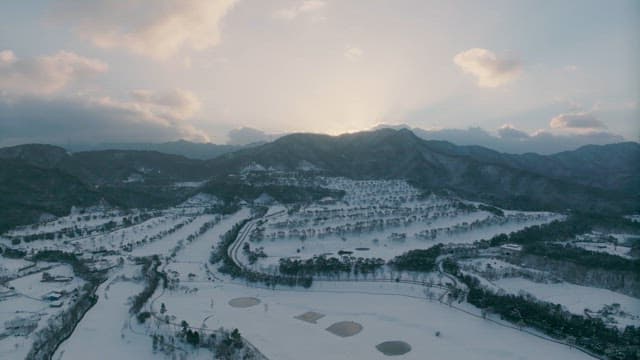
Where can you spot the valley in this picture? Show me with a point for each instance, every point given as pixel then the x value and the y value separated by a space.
pixel 278 263
pixel 343 252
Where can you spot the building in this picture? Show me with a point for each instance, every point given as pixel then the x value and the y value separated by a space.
pixel 510 249
pixel 56 304
pixel 53 295
pixel 327 200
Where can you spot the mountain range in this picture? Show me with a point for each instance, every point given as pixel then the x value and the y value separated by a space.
pixel 184 148
pixel 36 178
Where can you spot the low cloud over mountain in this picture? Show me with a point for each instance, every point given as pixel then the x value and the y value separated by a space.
pixel 511 140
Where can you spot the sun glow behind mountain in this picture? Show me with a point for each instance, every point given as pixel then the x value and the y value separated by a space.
pixel 195 69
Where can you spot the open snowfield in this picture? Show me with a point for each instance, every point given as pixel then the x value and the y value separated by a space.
pixel 108 331
pixel 10 268
pixel 107 324
pixel 272 327
pixel 200 249
pixel 386 311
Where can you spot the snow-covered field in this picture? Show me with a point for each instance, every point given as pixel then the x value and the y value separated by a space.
pixel 576 298
pixel 272 328
pixel 107 324
pixel 26 302
pixel 609 243
pixel 382 219
pixel 375 219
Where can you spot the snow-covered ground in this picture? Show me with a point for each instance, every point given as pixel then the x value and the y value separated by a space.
pixel 10 268
pixel 107 324
pixel 609 243
pixel 165 244
pixel 381 219
pixel 396 218
pixel 272 328
pixel 26 302
pixel 576 298
pixel 76 219
pixel 108 331
pixel 612 249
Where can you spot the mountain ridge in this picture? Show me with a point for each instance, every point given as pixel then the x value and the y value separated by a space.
pixel 598 178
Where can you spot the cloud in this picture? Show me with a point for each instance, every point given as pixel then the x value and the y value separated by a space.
pixel 145 116
pixel 509 132
pixel 158 29
pixel 353 54
pixel 576 121
pixel 45 74
pixel 295 10
pixel 177 104
pixel 489 69
pixel 512 140
pixel 247 135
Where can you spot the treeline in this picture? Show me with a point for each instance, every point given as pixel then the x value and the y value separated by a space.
pixel 492 209
pixel 220 253
pixel 323 265
pixel 75 231
pixel 575 224
pixel 61 326
pixel 12 253
pixel 79 267
pixel 232 191
pixel 541 240
pixel 589 333
pixel 579 256
pixel 152 278
pixel 253 255
pixel 417 260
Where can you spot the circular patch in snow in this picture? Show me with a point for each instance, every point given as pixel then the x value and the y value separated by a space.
pixel 310 317
pixel 345 328
pixel 392 348
pixel 244 302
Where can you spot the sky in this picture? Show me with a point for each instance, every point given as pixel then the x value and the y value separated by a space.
pixel 162 70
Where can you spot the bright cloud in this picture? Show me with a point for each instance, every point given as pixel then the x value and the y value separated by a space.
pixel 510 132
pixel 489 69
pixel 177 104
pixel 353 54
pixel 295 10
pixel 45 74
pixel 576 121
pixel 158 29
